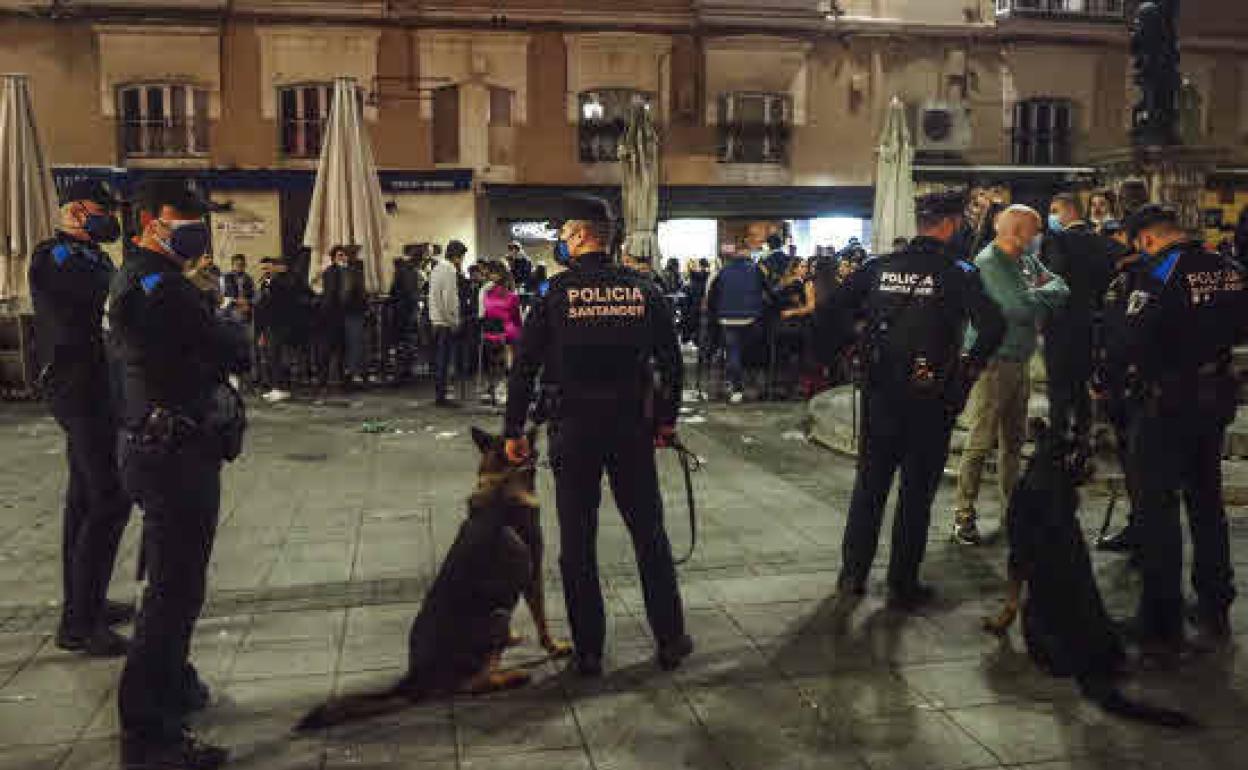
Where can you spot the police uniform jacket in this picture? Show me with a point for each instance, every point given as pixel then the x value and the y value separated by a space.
pixel 915 304
pixel 1082 258
pixel 69 281
pixel 1185 312
pixel 594 336
pixel 174 351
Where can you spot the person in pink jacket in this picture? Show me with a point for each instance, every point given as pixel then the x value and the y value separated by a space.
pixel 500 315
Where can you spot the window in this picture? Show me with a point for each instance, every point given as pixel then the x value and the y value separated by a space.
pixel 303 111
pixel 500 107
pixel 163 121
pixel 754 127
pixel 303 115
pixel 1101 9
pixel 604 119
pixel 446 124
pixel 1043 133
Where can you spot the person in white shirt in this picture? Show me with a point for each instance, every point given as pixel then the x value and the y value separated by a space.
pixel 444 314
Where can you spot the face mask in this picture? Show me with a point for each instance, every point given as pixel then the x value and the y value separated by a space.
pixel 562 255
pixel 102 228
pixel 1055 224
pixel 188 241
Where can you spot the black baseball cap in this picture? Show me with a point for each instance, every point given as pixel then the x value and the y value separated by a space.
pixel 1151 215
pixel 950 203
pixel 93 190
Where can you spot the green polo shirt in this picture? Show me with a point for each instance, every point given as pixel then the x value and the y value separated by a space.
pixel 1010 283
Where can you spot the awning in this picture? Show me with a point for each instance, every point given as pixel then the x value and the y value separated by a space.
pixel 28 204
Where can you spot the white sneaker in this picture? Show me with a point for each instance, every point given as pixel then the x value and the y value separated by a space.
pixel 274 396
pixel 736 397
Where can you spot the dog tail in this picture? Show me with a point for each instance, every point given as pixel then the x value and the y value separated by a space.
pixel 1112 700
pixel 351 708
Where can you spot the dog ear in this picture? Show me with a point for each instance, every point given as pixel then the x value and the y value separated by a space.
pixel 484 441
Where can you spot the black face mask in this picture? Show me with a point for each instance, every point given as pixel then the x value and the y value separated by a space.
pixel 102 228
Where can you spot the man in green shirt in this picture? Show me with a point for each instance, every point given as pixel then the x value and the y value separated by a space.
pixel 1026 291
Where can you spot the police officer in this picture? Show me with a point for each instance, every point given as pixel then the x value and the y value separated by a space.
pixel 176 357
pixel 594 337
pixel 915 304
pixel 69 279
pixel 1111 374
pixel 1184 314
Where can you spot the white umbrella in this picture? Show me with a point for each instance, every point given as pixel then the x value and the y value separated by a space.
pixel 894 181
pixel 347 209
pixel 28 205
pixel 639 162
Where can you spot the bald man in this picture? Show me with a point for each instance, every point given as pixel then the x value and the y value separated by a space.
pixel 1027 293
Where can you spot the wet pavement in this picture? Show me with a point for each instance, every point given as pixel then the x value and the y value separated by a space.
pixel 330 534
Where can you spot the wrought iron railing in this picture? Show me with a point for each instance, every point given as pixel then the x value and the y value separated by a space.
pixel 1091 10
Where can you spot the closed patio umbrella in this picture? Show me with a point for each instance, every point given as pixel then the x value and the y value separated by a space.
pixel 347 209
pixel 28 206
pixel 639 161
pixel 894 181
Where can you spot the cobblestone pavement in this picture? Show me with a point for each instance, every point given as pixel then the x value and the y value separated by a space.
pixel 329 536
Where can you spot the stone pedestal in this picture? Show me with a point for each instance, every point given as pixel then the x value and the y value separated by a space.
pixel 1174 175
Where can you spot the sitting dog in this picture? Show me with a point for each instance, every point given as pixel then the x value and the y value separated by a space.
pixel 1066 627
pixel 458 637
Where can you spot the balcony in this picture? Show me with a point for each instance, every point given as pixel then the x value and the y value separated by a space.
pixel 1112 11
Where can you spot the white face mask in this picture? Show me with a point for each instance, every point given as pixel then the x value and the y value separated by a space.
pixel 1033 246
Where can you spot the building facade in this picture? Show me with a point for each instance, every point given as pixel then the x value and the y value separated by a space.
pixel 482 112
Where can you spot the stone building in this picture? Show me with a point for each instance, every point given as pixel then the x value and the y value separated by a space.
pixel 482 111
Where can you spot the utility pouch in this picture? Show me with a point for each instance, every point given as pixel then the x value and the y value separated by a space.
pixel 227 421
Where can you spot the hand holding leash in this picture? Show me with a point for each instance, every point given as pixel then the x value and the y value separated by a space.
pixel 518 450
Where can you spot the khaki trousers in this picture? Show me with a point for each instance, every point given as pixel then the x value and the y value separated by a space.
pixel 998 416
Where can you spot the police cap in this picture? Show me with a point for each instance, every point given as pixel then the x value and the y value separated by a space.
pixel 938 205
pixel 93 190
pixel 1151 215
pixel 585 208
pixel 176 193
pixel 1111 227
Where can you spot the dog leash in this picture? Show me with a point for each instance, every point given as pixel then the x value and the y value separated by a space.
pixel 690 464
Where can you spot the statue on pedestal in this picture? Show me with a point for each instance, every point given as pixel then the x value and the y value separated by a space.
pixel 1155 50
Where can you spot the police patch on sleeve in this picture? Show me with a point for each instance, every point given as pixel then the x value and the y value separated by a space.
pixel 150 282
pixel 61 254
pixel 1138 301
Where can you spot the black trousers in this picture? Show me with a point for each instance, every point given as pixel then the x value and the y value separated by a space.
pixel 897 433
pixel 1118 413
pixel 581 448
pixel 180 493
pixel 96 507
pixel 1070 404
pixel 1180 456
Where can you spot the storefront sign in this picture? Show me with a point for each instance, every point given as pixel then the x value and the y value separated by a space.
pixel 533 231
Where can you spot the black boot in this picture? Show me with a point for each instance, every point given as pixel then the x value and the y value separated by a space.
pixel 187 752
pixel 103 642
pixel 673 653
pixel 116 613
pixel 1123 541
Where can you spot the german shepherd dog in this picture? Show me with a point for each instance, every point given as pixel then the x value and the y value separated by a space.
pixel 1066 627
pixel 464 624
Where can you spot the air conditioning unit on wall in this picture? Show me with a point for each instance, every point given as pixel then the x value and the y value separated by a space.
pixel 941 127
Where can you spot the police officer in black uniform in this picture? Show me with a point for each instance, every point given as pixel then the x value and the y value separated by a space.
pixel 915 304
pixel 595 337
pixel 69 280
pixel 181 421
pixel 1112 375
pixel 1185 313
